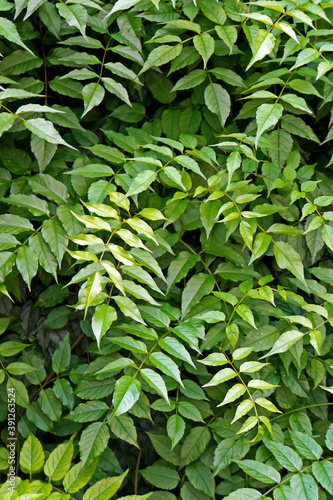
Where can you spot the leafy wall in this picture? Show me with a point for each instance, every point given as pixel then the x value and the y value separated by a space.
pixel 166 246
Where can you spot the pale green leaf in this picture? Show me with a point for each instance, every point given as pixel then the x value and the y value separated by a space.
pixel 205 45
pixel 59 461
pixel 217 101
pixel 259 471
pixel 105 488
pixel 103 318
pixel 32 455
pixel 126 393
pixel 45 130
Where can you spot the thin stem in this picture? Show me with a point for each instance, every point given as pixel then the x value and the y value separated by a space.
pixel 103 59
pixel 301 408
pixel 137 473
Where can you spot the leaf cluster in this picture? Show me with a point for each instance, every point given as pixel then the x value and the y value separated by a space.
pixel 166 240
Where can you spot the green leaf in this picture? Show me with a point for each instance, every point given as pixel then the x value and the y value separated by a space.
pixel 188 410
pixel 305 57
pixel 286 456
pixel 175 428
pixel 114 275
pixel 193 79
pixel 323 472
pixel 297 102
pixel 141 182
pixel 194 445
pixel 128 308
pixel 306 445
pixel 18 368
pixel 172 346
pixel 285 341
pixel 92 170
pixel 136 497
pixel 234 393
pixel 260 246
pixel 92 289
pixel 78 476
pixel 59 461
pixel 93 94
pixel 74 15
pixel 208 214
pixel 196 288
pixel 180 266
pixel 161 55
pixel 205 45
pixel 45 185
pixel 251 366
pixel 27 263
pixel 117 89
pixel 43 150
pixel 45 130
pixel 32 455
pixel 228 34
pixel 141 275
pixel 6 120
pixel 295 125
pixel 217 101
pixel 126 393
pixel 161 476
pixel 130 344
pixel 268 405
pixel 88 412
pixel 123 427
pixel 190 164
pixel 105 488
pixel 123 5
pixel 55 236
pixel 57 318
pixel 9 32
pixel 327 235
pixel 288 258
pixel 242 409
pixel 221 376
pixel 259 471
pixel 267 116
pixel 155 381
pixel 201 477
pixel 186 25
pixel 244 494
pixel 103 318
pixel 11 348
pixel 18 62
pixel 228 450
pixel 14 224
pixel 64 392
pixel 213 11
pixel 62 355
pixel 121 70
pixel 215 359
pixel 304 486
pixel 21 394
pixel 8 241
pixel 263 44
pixel 329 437
pixel 166 365
pixel 7 260
pixel 94 439
pixel 233 163
pixel 246 314
pixel 50 405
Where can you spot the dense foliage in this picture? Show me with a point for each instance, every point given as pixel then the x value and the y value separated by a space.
pixel 166 239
